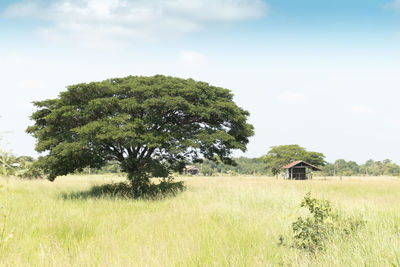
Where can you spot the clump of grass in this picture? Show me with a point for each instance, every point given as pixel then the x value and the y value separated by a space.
pixel 165 188
pixel 325 220
pixel 4 215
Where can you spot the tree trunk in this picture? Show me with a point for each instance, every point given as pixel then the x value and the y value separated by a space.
pixel 140 184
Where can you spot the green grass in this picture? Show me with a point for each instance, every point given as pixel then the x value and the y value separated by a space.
pixel 218 221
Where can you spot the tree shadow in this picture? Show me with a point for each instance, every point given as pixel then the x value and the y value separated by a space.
pixel 124 190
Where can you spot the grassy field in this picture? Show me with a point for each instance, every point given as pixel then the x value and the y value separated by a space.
pixel 217 221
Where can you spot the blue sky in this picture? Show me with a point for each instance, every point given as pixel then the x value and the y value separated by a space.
pixel 322 74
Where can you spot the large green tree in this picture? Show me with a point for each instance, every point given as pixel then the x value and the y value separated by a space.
pixel 150 125
pixel 278 156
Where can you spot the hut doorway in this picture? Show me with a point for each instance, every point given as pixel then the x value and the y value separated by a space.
pixel 299 170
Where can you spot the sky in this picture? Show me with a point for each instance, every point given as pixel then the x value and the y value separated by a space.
pixel 321 74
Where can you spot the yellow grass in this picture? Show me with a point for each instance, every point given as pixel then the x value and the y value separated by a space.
pixel 218 221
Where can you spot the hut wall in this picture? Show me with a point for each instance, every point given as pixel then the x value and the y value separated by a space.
pixel 299 173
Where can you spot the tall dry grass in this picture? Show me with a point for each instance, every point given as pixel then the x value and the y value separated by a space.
pixel 218 221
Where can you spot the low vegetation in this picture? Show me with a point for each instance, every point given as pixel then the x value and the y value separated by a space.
pixel 160 190
pixel 341 167
pixel 217 221
pixel 323 222
pixel 5 232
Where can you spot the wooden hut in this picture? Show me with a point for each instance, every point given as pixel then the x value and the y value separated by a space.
pixel 189 169
pixel 299 170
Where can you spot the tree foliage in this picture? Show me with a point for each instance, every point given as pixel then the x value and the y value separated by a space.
pixel 278 156
pixel 342 167
pixel 243 166
pixel 149 125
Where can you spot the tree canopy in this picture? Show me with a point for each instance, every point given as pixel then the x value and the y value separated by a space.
pixel 278 156
pixel 150 125
pixel 370 167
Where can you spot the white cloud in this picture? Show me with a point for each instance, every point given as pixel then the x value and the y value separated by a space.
pixel 192 59
pixel 394 5
pixel 11 59
pixel 32 84
pixel 291 97
pixel 361 110
pixel 113 21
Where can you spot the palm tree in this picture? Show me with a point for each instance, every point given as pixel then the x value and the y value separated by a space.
pixel 6 159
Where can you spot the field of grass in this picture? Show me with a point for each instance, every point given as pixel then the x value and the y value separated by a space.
pixel 217 221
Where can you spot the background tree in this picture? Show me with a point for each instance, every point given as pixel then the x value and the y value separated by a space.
pixel 6 163
pixel 25 161
pixel 246 166
pixel 279 156
pixel 369 168
pixel 7 159
pixel 149 125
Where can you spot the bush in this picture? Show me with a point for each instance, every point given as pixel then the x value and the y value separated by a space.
pixel 311 233
pixel 34 171
pixel 165 188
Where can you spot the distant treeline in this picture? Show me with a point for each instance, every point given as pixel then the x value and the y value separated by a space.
pixel 341 167
pixel 370 167
pixel 245 166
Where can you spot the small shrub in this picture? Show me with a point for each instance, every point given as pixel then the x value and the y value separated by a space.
pixel 165 188
pixel 168 187
pixel 311 233
pixel 34 171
